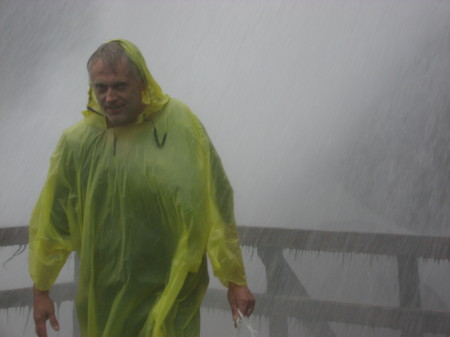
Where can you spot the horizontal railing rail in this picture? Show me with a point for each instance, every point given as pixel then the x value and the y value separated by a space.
pixel 435 322
pixel 23 297
pixel 427 247
pixel 13 236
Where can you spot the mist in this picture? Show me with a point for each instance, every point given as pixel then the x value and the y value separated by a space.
pixel 329 115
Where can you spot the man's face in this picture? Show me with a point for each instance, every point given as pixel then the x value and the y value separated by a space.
pixel 118 92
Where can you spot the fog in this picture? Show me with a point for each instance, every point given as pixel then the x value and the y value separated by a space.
pixel 326 114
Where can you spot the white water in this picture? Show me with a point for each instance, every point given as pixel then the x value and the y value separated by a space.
pixel 291 93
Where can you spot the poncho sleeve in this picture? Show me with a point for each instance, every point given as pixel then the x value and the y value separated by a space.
pixel 50 237
pixel 223 244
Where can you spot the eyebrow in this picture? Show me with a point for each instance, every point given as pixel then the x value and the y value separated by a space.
pixel 101 84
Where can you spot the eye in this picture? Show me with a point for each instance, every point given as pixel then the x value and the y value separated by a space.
pixel 100 87
pixel 120 86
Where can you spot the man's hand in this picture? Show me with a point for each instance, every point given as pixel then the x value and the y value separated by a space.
pixel 240 298
pixel 43 310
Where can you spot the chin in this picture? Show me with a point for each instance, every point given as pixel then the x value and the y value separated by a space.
pixel 116 120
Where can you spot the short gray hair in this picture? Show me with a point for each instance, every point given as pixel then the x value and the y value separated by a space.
pixel 111 53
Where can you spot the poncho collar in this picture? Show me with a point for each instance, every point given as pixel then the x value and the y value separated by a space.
pixel 152 96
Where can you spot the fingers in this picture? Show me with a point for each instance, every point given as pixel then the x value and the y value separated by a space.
pixel 247 311
pixel 246 308
pixel 44 309
pixel 53 321
pixel 41 329
pixel 250 305
pixel 241 299
pixel 246 304
pixel 234 311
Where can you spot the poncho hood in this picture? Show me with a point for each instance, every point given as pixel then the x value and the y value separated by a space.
pixel 152 96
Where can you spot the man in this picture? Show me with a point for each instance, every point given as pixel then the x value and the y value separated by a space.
pixel 138 191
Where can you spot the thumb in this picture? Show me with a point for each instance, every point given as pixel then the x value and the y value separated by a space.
pixel 53 321
pixel 234 311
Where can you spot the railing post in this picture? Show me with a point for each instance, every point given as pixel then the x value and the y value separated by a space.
pixel 278 325
pixel 409 291
pixel 282 281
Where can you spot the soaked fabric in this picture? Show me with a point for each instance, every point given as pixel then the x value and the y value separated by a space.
pixel 141 205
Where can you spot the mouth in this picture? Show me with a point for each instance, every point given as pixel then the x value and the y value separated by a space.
pixel 114 109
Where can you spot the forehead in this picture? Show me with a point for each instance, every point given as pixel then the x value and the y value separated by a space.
pixel 101 71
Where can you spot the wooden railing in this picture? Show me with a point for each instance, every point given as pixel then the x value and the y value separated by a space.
pixel 286 296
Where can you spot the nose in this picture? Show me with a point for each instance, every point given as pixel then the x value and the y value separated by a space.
pixel 111 95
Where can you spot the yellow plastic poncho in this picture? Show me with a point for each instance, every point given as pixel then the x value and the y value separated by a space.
pixel 141 205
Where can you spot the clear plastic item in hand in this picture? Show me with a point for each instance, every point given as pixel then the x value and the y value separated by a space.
pixel 244 327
